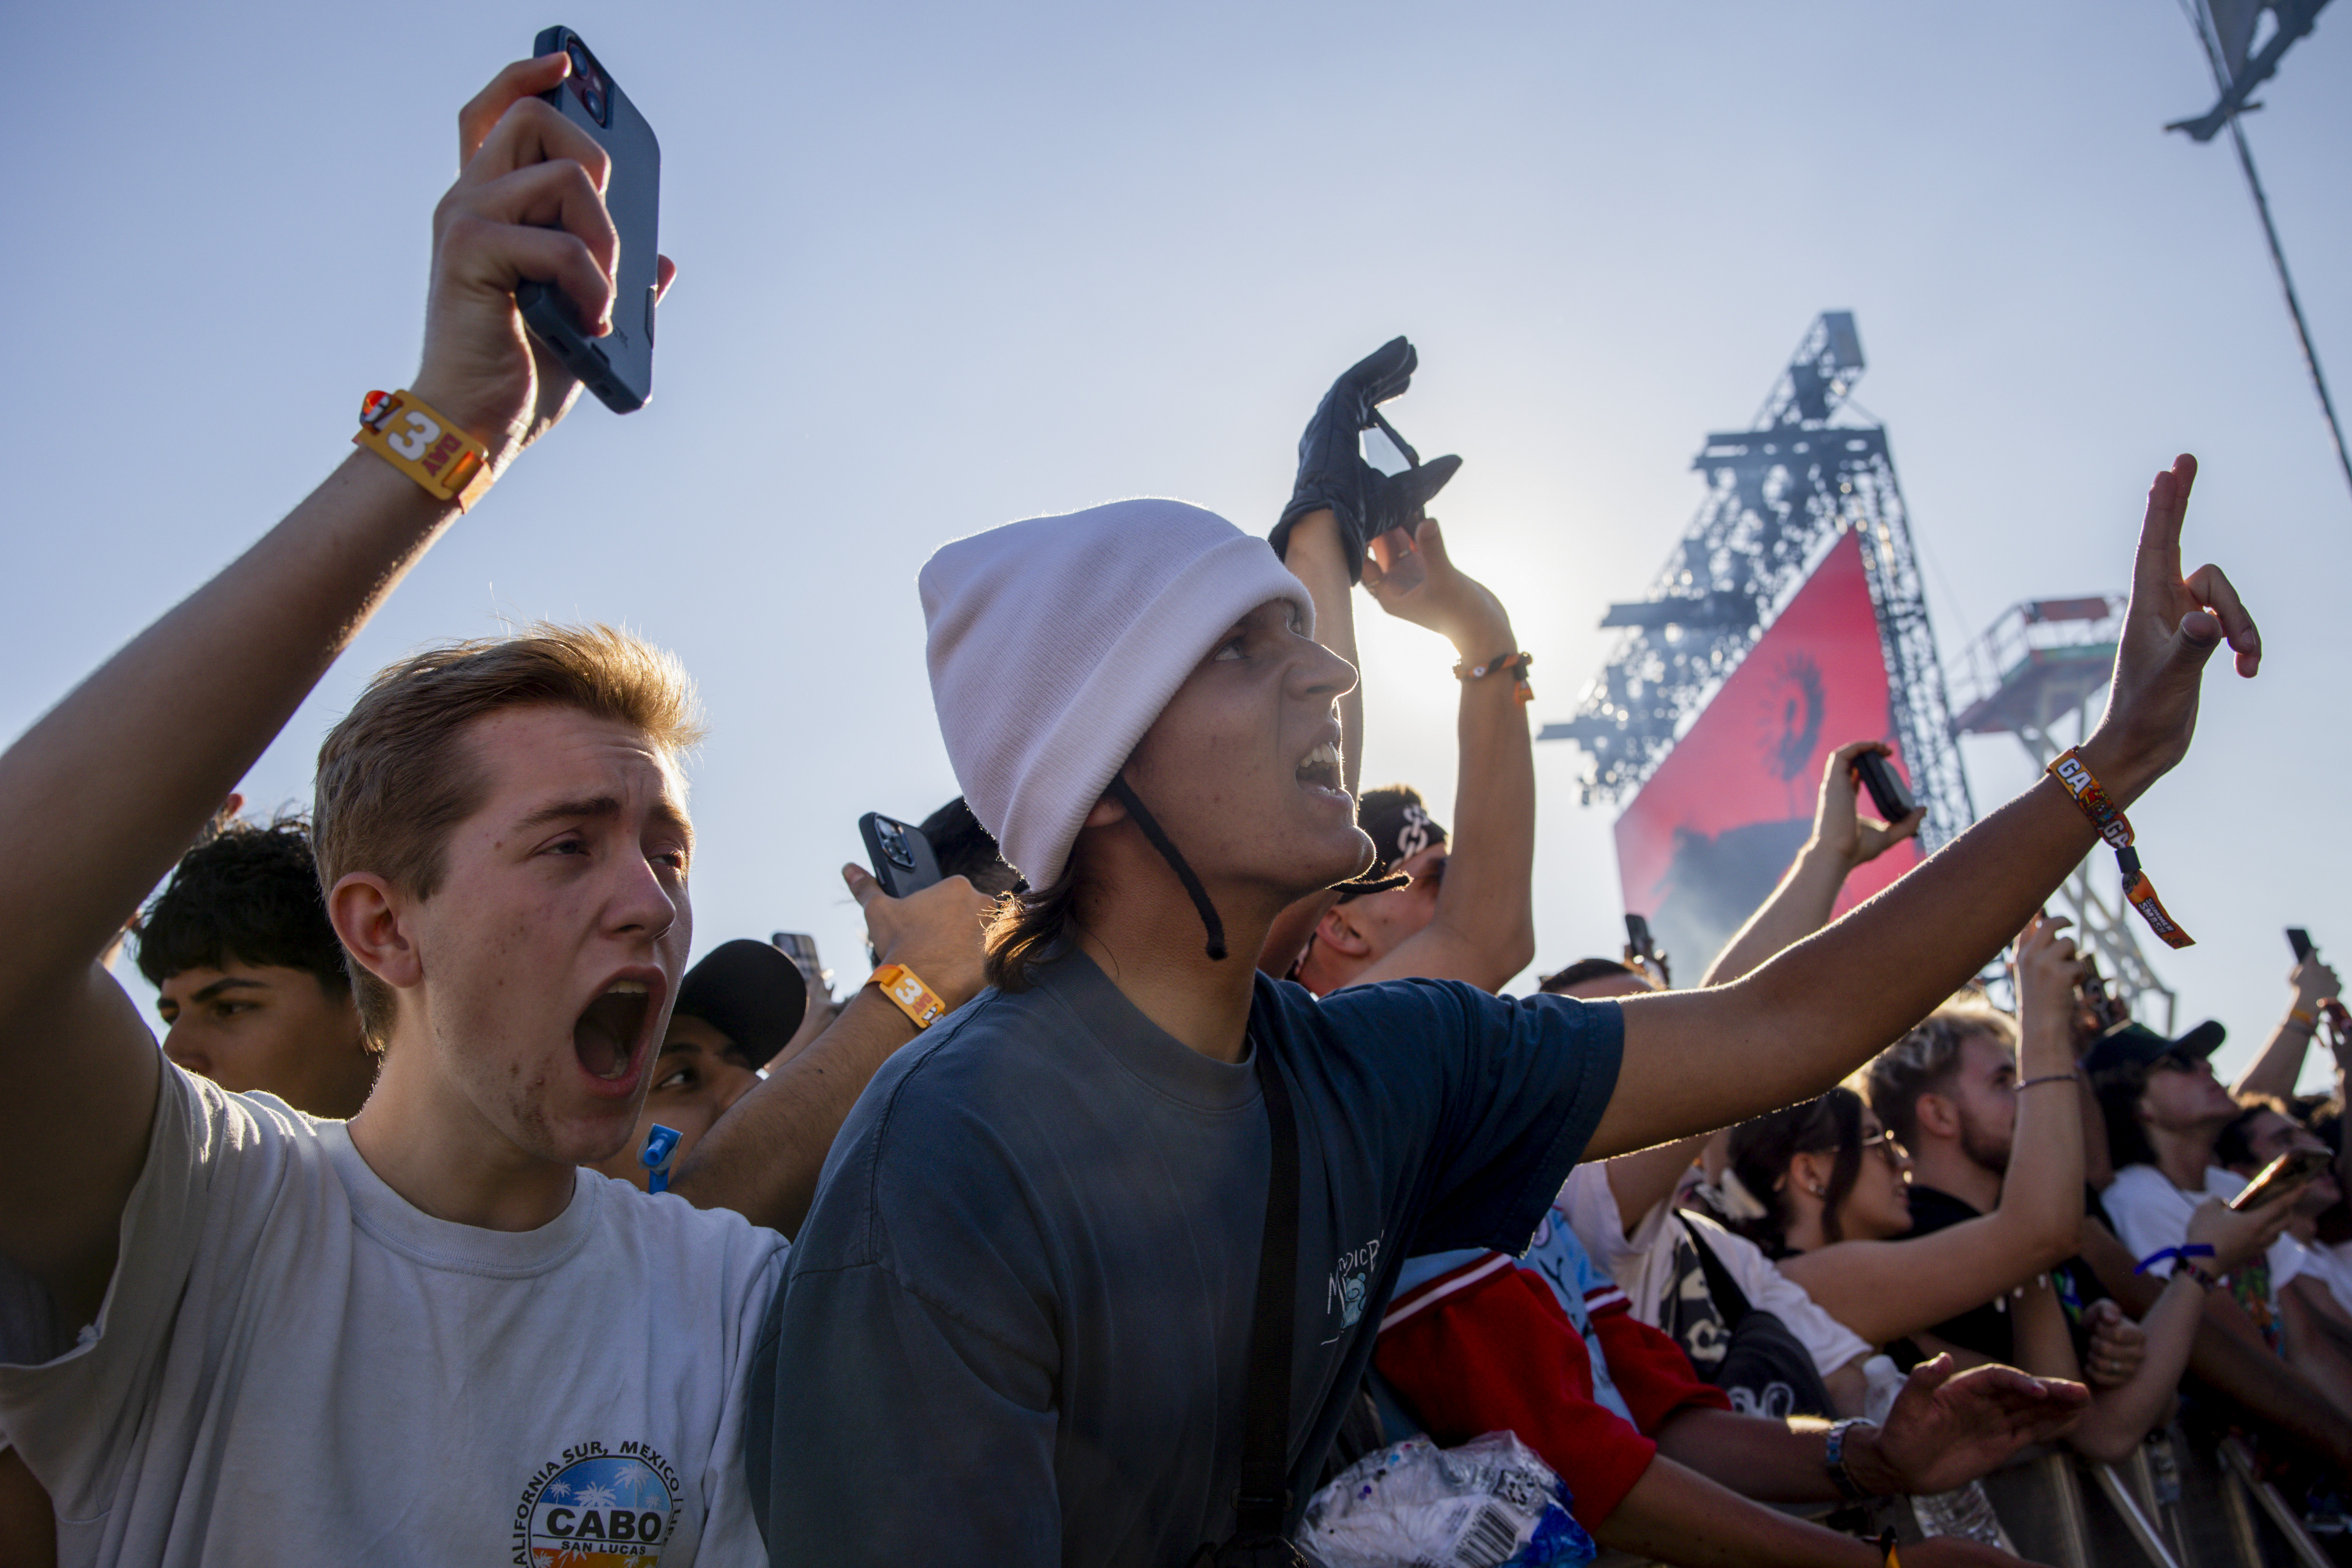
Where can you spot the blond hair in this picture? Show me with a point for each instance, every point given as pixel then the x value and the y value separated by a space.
pixel 396 775
pixel 1924 1060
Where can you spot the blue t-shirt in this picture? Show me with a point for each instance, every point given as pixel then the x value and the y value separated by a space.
pixel 1015 1330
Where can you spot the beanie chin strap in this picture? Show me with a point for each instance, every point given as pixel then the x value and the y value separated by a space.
pixel 1121 792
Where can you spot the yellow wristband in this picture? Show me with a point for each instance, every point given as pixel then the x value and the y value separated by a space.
pixel 915 999
pixel 407 433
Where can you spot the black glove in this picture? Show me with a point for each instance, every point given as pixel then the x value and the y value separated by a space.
pixel 1331 467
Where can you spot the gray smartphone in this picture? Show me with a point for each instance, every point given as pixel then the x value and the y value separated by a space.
pixel 619 367
pixel 800 948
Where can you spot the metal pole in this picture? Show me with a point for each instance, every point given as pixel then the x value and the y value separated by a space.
pixel 2278 256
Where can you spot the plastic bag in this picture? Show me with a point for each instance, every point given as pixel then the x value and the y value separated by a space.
pixel 1415 1505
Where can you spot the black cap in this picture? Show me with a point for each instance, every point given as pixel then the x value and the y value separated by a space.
pixel 2126 1052
pixel 1399 825
pixel 750 991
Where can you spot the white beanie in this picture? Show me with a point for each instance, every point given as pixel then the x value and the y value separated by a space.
pixel 1054 643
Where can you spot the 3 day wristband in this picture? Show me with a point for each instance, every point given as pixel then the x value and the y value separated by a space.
pixel 914 998
pixel 413 437
pixel 2115 828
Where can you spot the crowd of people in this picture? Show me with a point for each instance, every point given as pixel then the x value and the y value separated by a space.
pixel 1182 1153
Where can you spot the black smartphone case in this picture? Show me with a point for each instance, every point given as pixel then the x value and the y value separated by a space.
pixel 1885 787
pixel 618 367
pixel 899 880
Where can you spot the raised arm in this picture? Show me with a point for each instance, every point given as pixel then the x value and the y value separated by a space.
pixel 1884 1289
pixel 763 1157
pixel 1842 840
pixel 1339 505
pixel 1699 1060
pixel 93 810
pixel 2276 1067
pixel 1484 931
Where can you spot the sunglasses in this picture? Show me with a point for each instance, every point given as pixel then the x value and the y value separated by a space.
pixel 1887 1147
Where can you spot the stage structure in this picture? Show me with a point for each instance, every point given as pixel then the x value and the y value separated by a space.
pixel 1720 738
pixel 2039 673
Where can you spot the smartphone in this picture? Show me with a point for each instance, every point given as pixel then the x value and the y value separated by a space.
pixel 902 858
pixel 800 948
pixel 1639 944
pixel 619 367
pixel 2300 940
pixel 2289 1171
pixel 1887 791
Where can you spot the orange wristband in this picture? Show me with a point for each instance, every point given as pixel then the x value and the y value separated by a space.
pixel 914 998
pixel 410 435
pixel 2074 777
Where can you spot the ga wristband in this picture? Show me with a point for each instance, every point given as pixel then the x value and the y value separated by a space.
pixel 1514 664
pixel 409 434
pixel 2115 828
pixel 914 998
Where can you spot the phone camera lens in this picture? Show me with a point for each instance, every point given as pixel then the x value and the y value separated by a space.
pixel 894 848
pixel 594 102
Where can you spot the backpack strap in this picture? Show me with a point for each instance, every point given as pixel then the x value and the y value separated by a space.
pixel 1730 1301
pixel 1263 1504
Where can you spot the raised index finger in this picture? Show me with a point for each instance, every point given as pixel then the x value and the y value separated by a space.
pixel 523 78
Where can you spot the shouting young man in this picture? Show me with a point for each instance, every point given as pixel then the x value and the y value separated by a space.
pixel 1017 1328
pixel 425 1335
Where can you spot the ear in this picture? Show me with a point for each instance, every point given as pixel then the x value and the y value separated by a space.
pixel 1106 811
pixel 366 914
pixel 1937 1116
pixel 1336 931
pixel 1808 1171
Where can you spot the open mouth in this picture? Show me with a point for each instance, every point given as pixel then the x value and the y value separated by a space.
pixel 607 1035
pixel 1319 770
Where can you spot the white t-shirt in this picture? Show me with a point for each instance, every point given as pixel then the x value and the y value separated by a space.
pixel 294 1365
pixel 2150 1214
pixel 1642 1266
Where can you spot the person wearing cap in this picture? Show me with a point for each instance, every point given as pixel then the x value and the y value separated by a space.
pixel 2164 1112
pixel 1016 1326
pixel 736 1010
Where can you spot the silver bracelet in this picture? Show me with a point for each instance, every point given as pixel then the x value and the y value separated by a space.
pixel 1833 1459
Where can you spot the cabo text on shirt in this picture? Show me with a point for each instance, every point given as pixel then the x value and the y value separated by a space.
pixel 294 1365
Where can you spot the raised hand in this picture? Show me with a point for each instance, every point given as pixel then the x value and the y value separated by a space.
pixel 528 204
pixel 2239 1235
pixel 2172 628
pixel 1447 600
pixel 2048 970
pixel 1332 473
pixel 1839 827
pixel 936 933
pixel 2118 1345
pixel 1947 1429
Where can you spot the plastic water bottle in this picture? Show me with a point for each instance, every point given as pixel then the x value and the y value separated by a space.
pixel 1964 1511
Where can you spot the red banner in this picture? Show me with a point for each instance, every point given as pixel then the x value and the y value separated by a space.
pixel 1708 836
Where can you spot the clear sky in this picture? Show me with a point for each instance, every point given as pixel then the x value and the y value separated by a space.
pixel 944 265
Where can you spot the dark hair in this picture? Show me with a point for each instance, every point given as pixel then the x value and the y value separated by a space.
pixel 1582 970
pixel 2127 1142
pixel 1028 927
pixel 964 849
pixel 2235 1147
pixel 250 893
pixel 1763 1149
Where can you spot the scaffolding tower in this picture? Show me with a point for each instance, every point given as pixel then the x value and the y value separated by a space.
pixel 2039 673
pixel 1780 494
